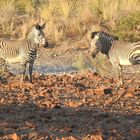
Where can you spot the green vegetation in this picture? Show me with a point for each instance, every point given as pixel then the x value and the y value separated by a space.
pixel 128 28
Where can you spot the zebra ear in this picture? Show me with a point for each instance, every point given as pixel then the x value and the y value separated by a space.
pixel 97 36
pixel 43 26
pixel 93 34
pixel 37 26
pixel 116 37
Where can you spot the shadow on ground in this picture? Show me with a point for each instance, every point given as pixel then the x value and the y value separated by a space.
pixel 29 121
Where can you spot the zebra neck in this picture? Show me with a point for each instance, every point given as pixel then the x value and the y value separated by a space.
pixel 33 45
pixel 105 48
pixel 31 38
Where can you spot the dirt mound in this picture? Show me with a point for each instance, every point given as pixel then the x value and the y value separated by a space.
pixel 70 107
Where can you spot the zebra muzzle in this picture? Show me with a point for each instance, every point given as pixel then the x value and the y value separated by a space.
pixel 43 41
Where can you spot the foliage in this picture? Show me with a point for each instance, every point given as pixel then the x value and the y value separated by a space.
pixel 128 27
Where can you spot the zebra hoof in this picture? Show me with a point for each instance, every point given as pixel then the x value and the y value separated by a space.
pixel 31 81
pixel 26 78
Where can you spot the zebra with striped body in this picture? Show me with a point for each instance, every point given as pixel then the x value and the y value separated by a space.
pixel 119 53
pixel 23 51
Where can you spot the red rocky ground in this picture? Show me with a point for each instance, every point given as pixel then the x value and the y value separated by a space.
pixel 70 107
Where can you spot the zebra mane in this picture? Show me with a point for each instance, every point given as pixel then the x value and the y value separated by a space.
pixel 109 36
pixel 101 33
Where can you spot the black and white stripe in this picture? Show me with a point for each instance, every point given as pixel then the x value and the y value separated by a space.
pixel 103 43
pixel 119 53
pixel 23 51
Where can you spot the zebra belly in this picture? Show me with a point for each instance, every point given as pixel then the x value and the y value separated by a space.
pixel 124 61
pixel 14 60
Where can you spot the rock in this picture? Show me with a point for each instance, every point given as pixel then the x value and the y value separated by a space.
pixel 68 138
pixel 135 132
pixel 73 104
pixel 15 137
pixel 129 94
pixel 93 137
pixel 30 125
pixel 1 132
pixel 66 129
pixel 99 91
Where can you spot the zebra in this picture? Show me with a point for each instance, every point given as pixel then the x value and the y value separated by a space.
pixel 118 52
pixel 23 51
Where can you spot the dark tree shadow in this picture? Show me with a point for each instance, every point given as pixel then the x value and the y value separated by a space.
pixel 34 122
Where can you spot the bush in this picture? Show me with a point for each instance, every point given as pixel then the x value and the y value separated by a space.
pixel 128 27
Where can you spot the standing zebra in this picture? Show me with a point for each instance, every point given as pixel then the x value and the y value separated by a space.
pixel 119 53
pixel 23 51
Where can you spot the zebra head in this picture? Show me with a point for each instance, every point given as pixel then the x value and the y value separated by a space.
pixel 94 48
pixel 101 42
pixel 36 35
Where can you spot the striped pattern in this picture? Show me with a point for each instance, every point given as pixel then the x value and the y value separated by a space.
pixel 134 55
pixel 18 51
pixel 119 53
pixel 23 51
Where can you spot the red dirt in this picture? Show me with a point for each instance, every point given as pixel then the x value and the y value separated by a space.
pixel 70 107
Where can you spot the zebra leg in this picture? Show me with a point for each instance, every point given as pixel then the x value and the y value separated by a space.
pixel 24 71
pixel 120 75
pixel 118 72
pixel 30 71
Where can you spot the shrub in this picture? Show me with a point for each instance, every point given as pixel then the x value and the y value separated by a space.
pixel 128 27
